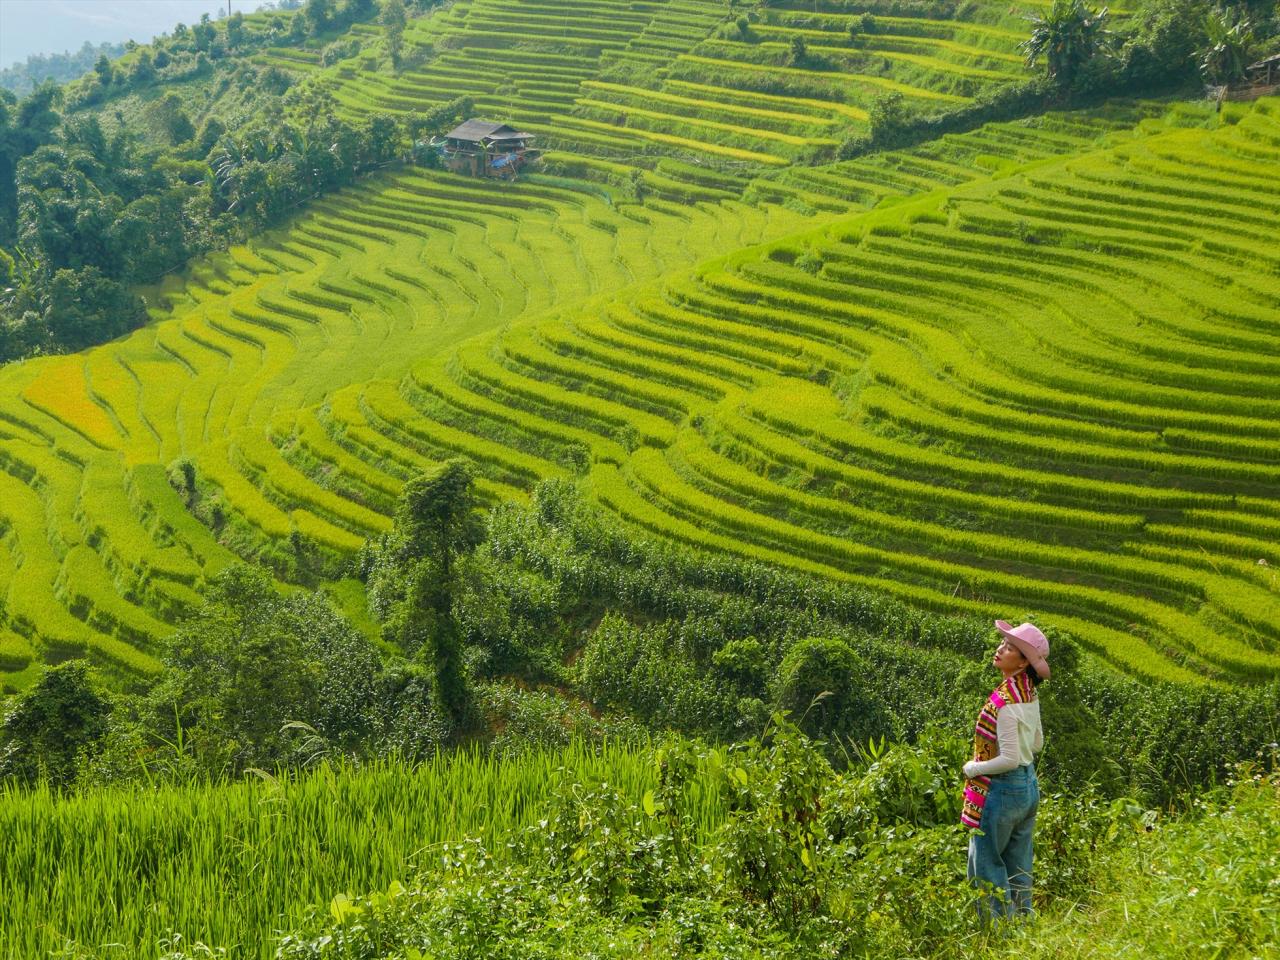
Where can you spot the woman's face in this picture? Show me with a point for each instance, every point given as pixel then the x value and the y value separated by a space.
pixel 1008 658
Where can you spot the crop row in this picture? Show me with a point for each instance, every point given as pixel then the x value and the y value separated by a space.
pixel 933 537
pixel 1122 649
pixel 650 468
pixel 450 381
pixel 786 450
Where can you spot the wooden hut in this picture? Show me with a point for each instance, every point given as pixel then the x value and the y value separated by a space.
pixel 1265 73
pixel 483 148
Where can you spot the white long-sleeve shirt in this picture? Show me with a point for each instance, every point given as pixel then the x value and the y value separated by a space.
pixel 1020 737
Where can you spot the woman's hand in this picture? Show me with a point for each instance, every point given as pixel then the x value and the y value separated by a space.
pixel 969 768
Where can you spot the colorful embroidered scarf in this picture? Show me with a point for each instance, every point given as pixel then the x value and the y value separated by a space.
pixel 1015 689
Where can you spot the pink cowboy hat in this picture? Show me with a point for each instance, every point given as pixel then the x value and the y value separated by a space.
pixel 1033 644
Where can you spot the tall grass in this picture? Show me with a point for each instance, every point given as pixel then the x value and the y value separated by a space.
pixel 117 869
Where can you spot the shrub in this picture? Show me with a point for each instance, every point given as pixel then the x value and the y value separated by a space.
pixel 822 683
pixel 912 785
pixel 799 50
pixel 49 728
pixel 742 664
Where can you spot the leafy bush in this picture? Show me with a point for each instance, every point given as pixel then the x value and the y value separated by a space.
pixel 900 785
pixel 48 730
pixel 823 684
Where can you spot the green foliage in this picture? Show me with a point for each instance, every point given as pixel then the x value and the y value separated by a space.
pixel 900 126
pixel 743 664
pixel 235 30
pixel 770 851
pixel 754 874
pixel 799 50
pixel 413 576
pixel 1195 885
pixel 438 119
pixel 1231 42
pixel 527 721
pixel 318 14
pixel 1067 37
pixel 49 729
pixel 889 119
pixel 84 306
pixel 236 862
pixel 823 684
pixel 900 785
pixel 393 24
pixel 761 850
pixel 253 672
pixel 173 119
pixel 1167 37
pixel 436 516
pixel 143 69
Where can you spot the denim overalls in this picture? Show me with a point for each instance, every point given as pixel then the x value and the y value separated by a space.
pixel 1000 850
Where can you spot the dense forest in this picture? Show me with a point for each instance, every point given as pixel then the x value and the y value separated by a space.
pixel 150 190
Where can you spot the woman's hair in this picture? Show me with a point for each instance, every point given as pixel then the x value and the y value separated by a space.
pixel 1036 679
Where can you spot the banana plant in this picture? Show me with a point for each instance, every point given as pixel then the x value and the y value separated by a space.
pixel 1067 37
pixel 1231 41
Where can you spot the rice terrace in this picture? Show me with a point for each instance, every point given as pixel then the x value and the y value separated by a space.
pixel 836 311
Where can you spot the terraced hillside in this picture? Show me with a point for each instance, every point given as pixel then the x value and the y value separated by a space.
pixel 1027 369
pixel 1051 390
pixel 1056 390
pixel 676 92
pixel 100 553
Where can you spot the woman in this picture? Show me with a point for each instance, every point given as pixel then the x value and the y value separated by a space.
pixel 1000 792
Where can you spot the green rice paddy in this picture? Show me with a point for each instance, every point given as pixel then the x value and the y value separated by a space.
pixel 236 864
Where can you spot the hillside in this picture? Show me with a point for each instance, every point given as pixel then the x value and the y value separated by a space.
pixel 1027 368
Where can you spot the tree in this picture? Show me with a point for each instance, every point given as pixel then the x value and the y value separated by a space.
pixel 106 73
pixel 235 30
pixel 799 50
pixel 435 524
pixel 319 15
pixel 173 119
pixel 1231 39
pixel 251 662
pixel 211 131
pixel 53 725
pixel 393 22
pixel 1067 37
pixel 436 515
pixel 144 68
pixel 381 137
pixel 890 120
pixel 1165 45
pixel 87 307
pixel 204 33
pixel 298 27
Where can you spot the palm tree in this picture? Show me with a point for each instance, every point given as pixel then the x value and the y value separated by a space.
pixel 1231 40
pixel 1068 36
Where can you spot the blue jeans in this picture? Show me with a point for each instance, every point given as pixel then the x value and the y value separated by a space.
pixel 1000 851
